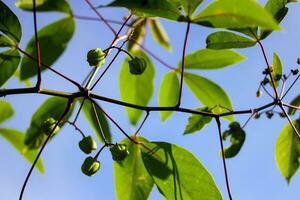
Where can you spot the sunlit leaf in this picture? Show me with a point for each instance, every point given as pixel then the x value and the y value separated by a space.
pixel 5 42
pixel 287 151
pixel 9 62
pixel 159 34
pixel 9 23
pixel 235 14
pixel 53 107
pixel 228 40
pixel 45 5
pixel 206 59
pixel 189 6
pixel 168 93
pixel 294 102
pixel 276 69
pixel 90 116
pixel 53 40
pixel 197 122
pixel 153 8
pixel 6 111
pixel 178 174
pixel 209 93
pixel 132 181
pixel 16 139
pixel 136 89
pixel 237 138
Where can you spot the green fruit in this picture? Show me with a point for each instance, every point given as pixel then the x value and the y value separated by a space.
pixel 90 166
pixel 48 125
pixel 137 65
pixel 119 152
pixel 88 144
pixel 96 57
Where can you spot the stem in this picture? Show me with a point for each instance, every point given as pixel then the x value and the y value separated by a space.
pixel 290 121
pixel 68 107
pixel 223 157
pixel 99 123
pixel 97 19
pixel 182 63
pixel 37 48
pixel 142 124
pixel 291 86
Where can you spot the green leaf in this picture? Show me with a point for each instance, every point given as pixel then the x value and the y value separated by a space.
pixel 294 102
pixel 209 93
pixel 168 93
pixel 90 116
pixel 152 8
pixel 206 59
pixel 7 111
pixel 287 151
pixel 138 35
pixel 197 122
pixel 45 5
pixel 16 139
pixel 236 14
pixel 5 42
pixel 53 40
pixel 228 40
pixel 9 23
pixel 9 62
pixel 189 6
pixel 136 89
pixel 52 107
pixel 178 174
pixel 159 34
pixel 237 139
pixel 276 69
pixel 132 181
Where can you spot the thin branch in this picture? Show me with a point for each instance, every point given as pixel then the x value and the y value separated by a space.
pixel 97 19
pixel 76 127
pixel 290 121
pixel 37 48
pixel 291 106
pixel 142 124
pixel 99 123
pixel 67 109
pixel 292 85
pixel 223 157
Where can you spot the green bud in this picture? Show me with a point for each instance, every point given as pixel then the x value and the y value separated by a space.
pixel 48 125
pixel 298 61
pixel 258 93
pixel 88 144
pixel 269 114
pixel 90 166
pixel 96 57
pixel 119 152
pixel 137 65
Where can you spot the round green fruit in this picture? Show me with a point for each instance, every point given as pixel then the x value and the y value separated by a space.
pixel 96 57
pixel 48 125
pixel 90 166
pixel 137 66
pixel 88 144
pixel 119 152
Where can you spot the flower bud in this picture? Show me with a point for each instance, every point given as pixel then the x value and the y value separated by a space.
pixel 96 57
pixel 90 166
pixel 258 93
pixel 88 144
pixel 298 61
pixel 48 125
pixel 119 152
pixel 137 65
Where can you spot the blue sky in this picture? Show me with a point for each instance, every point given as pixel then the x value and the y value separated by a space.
pixel 253 173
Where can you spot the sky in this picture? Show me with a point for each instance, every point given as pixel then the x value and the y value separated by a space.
pixel 253 173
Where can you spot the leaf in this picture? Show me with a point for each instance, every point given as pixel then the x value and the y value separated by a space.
pixel 209 93
pixel 7 111
pixel 287 151
pixel 151 8
pixel 90 116
pixel 9 62
pixel 237 139
pixel 197 122
pixel 16 139
pixel 178 174
pixel 207 59
pixel 189 6
pixel 276 69
pixel 52 107
pixel 136 89
pixel 53 40
pixel 132 181
pixel 236 14
pixel 45 5
pixel 278 10
pixel 5 42
pixel 138 35
pixel 227 40
pixel 168 93
pixel 9 23
pixel 294 102
pixel 159 34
